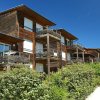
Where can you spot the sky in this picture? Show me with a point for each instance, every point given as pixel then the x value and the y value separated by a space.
pixel 79 17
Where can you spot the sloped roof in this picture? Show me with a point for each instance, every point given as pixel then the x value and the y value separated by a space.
pixel 39 18
pixel 67 34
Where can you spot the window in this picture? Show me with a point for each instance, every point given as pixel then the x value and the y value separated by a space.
pixel 55 53
pixel 62 40
pixel 68 56
pixel 4 48
pixel 39 47
pixel 38 27
pixel 39 67
pixel 63 56
pixel 71 42
pixel 28 24
pixel 68 42
pixel 28 46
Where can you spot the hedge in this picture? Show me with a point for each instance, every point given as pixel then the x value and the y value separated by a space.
pixel 73 82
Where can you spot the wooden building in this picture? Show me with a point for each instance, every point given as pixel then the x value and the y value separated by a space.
pixel 67 46
pixel 26 37
pixel 92 55
pixel 89 55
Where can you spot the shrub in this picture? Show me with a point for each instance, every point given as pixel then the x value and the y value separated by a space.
pixel 78 79
pixel 73 82
pixel 24 84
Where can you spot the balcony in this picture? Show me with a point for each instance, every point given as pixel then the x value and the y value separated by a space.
pixel 74 46
pixel 78 45
pixel 50 32
pixel 75 60
pixel 12 57
pixel 91 52
pixel 43 54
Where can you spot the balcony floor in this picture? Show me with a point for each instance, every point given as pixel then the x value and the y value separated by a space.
pixel 9 39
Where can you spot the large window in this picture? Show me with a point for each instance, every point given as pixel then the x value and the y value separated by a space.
pixel 38 27
pixel 28 47
pixel 62 40
pixel 68 56
pixel 39 47
pixel 28 24
pixel 63 56
pixel 39 67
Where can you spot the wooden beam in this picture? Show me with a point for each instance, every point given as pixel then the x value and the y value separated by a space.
pixel 34 45
pixel 77 53
pixel 98 55
pixel 48 54
pixel 83 55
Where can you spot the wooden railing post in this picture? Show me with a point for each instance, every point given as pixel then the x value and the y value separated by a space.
pixel 77 53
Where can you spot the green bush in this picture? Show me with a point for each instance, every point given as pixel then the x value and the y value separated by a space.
pixel 96 67
pixel 24 84
pixel 78 79
pixel 73 82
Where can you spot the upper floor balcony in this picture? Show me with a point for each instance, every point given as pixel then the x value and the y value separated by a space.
pixel 91 52
pixel 51 33
pixel 43 53
pixel 74 46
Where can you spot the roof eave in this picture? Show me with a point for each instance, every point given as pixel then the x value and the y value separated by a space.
pixel 25 7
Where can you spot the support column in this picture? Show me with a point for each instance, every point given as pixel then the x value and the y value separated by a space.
pixel 92 61
pixel 8 65
pixel 77 53
pixel 33 56
pixel 98 56
pixel 83 55
pixel 8 68
pixel 48 54
pixel 60 52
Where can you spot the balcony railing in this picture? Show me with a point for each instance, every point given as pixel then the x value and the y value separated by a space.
pixel 78 45
pixel 16 57
pixel 51 32
pixel 73 46
pixel 54 64
pixel 42 53
pixel 93 53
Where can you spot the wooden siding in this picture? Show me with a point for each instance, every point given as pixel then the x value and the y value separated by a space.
pixel 24 34
pixel 8 23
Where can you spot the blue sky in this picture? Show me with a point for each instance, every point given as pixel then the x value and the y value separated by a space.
pixel 79 17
